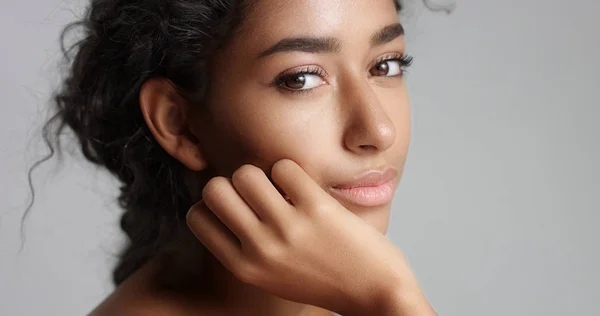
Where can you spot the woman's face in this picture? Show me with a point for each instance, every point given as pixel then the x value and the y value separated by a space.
pixel 309 81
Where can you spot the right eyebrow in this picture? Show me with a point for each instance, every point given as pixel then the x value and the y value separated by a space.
pixel 304 44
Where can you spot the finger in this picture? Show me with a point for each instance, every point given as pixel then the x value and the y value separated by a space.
pixel 295 182
pixel 260 194
pixel 223 200
pixel 213 234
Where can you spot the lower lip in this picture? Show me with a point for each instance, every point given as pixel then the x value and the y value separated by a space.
pixel 367 196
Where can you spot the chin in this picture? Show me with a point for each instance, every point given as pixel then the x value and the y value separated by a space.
pixel 376 217
pixel 378 220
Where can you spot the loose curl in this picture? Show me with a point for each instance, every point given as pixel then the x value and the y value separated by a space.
pixel 125 43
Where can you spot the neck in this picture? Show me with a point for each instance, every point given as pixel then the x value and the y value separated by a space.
pixel 189 269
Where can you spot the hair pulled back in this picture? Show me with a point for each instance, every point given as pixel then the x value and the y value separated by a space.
pixel 123 44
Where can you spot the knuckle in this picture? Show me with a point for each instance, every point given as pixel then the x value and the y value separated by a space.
pixel 280 168
pixel 294 235
pixel 246 273
pixel 319 210
pixel 270 252
pixel 214 188
pixel 193 215
pixel 243 173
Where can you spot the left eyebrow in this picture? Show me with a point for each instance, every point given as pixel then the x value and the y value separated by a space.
pixel 387 34
pixel 330 44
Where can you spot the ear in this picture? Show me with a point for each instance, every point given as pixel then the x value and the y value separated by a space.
pixel 166 113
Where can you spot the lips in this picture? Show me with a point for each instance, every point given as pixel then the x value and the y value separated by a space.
pixel 371 178
pixel 372 188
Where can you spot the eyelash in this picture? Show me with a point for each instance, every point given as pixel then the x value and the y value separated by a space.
pixel 404 60
pixel 308 70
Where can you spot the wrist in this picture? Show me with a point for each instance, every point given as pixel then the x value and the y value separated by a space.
pixel 390 300
pixel 403 302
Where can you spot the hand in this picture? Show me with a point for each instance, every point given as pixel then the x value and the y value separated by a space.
pixel 309 250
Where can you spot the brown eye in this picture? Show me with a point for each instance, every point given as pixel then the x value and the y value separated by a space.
pixel 387 68
pixel 295 82
pixel 380 69
pixel 301 81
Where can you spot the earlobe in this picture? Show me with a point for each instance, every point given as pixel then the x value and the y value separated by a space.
pixel 166 114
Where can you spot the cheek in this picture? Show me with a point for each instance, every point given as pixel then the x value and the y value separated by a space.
pixel 397 106
pixel 261 133
pixel 402 123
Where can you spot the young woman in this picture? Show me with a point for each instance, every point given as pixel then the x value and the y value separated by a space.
pixel 259 144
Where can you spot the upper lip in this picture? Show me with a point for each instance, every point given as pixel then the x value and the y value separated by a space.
pixel 370 178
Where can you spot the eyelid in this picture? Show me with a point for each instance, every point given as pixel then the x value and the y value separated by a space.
pixel 308 69
pixel 386 57
pixel 404 62
pixel 404 59
pixel 302 70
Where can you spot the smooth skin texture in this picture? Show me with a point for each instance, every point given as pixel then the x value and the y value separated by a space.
pixel 301 249
pixel 256 138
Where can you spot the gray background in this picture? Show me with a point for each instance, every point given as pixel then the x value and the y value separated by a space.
pixel 497 212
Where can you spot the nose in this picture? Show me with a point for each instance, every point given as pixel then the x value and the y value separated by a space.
pixel 368 128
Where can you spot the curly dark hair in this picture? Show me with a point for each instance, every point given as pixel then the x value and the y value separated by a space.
pixel 124 43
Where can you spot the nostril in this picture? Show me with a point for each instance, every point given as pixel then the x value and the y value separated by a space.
pixel 367 147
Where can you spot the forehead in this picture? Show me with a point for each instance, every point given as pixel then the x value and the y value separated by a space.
pixel 267 21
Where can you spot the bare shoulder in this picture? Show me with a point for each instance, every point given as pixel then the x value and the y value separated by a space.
pixel 137 296
pixel 128 301
pixel 134 299
pixel 115 306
